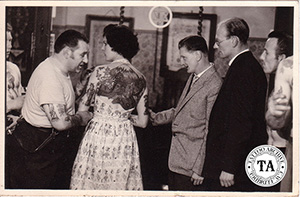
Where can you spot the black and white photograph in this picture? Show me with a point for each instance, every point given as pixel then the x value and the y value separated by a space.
pixel 149 98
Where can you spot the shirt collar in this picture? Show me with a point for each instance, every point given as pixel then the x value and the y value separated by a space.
pixel 230 62
pixel 199 75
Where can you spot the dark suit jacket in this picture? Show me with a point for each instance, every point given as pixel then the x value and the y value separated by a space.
pixel 237 122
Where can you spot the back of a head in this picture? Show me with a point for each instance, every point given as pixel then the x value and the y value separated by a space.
pixel 237 27
pixel 194 43
pixel 284 43
pixel 68 38
pixel 122 40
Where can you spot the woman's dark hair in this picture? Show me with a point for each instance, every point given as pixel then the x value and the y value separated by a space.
pixel 68 38
pixel 122 40
pixel 194 43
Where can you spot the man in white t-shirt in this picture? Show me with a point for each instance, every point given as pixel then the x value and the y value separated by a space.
pixel 14 88
pixel 49 110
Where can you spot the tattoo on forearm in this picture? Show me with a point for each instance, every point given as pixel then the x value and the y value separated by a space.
pixel 61 109
pixel 133 120
pixel 90 93
pixel 146 105
pixel 52 112
pixel 75 119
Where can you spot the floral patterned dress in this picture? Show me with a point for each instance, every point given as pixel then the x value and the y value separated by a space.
pixel 108 156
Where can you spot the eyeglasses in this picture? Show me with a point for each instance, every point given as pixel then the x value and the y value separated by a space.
pixel 219 42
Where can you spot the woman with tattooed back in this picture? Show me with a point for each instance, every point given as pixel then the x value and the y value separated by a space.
pixel 108 157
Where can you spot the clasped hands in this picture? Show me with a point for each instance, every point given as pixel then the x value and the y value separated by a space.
pixel 160 118
pixel 85 116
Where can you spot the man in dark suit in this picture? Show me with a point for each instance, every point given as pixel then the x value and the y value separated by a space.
pixel 190 118
pixel 237 123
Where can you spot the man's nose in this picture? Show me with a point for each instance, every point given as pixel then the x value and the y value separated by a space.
pixel 262 56
pixel 85 59
pixel 9 45
pixel 182 62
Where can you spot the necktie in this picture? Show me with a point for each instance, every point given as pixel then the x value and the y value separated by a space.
pixel 195 78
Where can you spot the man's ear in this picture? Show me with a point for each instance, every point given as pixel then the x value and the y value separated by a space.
pixel 67 52
pixel 281 57
pixel 199 55
pixel 235 41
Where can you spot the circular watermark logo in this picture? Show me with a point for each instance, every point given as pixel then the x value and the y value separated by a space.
pixel 266 165
pixel 160 16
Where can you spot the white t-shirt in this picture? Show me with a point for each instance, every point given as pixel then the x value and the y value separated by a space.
pixel 47 85
pixel 14 88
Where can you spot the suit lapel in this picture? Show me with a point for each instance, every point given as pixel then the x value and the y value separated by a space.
pixel 185 97
pixel 184 92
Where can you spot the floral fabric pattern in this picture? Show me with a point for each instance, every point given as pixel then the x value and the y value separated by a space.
pixel 108 156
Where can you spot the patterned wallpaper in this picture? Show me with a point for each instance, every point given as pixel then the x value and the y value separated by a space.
pixel 144 61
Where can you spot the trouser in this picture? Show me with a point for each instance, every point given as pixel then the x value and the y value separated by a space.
pixel 43 169
pixel 241 183
pixel 179 182
pixel 287 182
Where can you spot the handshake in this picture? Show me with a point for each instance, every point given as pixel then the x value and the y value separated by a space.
pixel 84 117
pixel 163 117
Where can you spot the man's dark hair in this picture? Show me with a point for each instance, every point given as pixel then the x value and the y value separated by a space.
pixel 284 43
pixel 237 27
pixel 69 38
pixel 194 43
pixel 122 40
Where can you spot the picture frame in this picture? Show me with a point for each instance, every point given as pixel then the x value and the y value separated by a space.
pixel 182 25
pixel 94 31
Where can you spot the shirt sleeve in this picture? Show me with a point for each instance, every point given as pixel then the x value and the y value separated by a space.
pixel 51 91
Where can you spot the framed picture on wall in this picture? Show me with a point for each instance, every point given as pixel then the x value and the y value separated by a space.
pixel 182 25
pixel 94 30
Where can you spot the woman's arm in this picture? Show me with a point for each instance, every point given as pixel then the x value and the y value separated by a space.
pixel 141 120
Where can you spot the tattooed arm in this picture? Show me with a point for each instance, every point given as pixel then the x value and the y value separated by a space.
pixel 60 120
pixel 89 96
pixel 141 120
pixel 279 103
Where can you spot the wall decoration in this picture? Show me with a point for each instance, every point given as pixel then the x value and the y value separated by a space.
pixel 94 31
pixel 182 25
